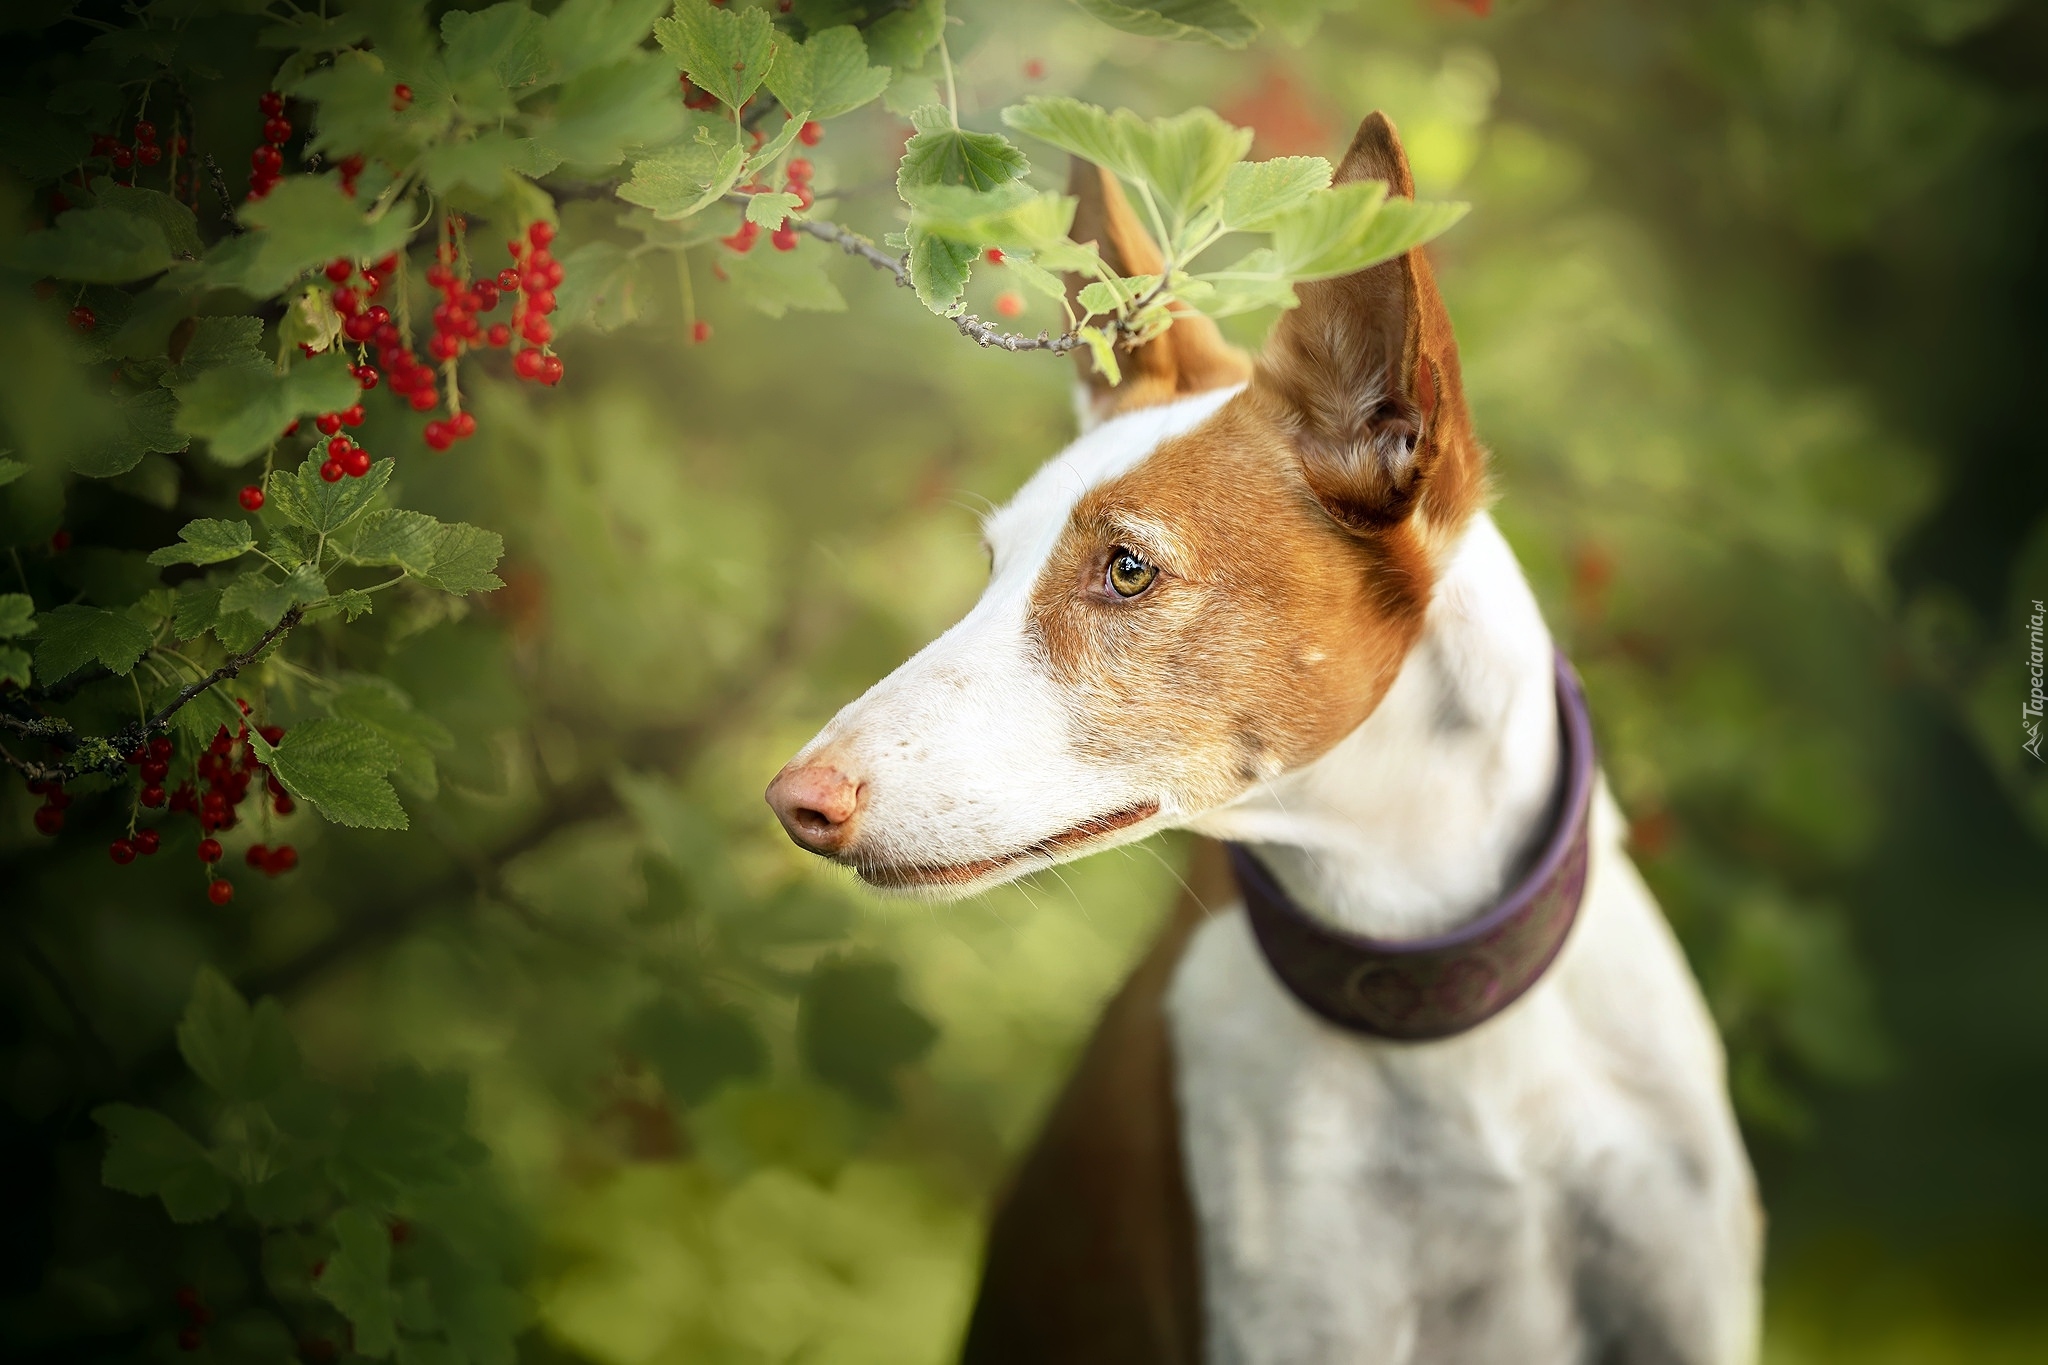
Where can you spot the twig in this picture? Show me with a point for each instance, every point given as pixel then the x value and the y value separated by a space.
pixel 220 190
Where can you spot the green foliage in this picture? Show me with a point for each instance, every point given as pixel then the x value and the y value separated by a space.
pixel 1222 22
pixel 73 636
pixel 339 766
pixel 827 74
pixel 723 51
pixel 939 153
pixel 855 1029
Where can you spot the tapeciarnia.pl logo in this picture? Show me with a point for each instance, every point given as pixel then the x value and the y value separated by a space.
pixel 2030 712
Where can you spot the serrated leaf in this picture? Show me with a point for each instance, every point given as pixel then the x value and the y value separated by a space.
pixel 207 541
pixel 304 222
pixel 483 162
pixel 413 737
pixel 200 719
pixel 1256 192
pixel 683 180
pixel 1222 23
pixel 351 100
pixel 827 74
pixel 1036 278
pixel 1185 159
pixel 211 343
pixel 265 600
pixel 499 45
pixel 902 39
pixel 146 424
pixel 603 114
pixel 17 615
pixel 178 223
pixel 940 154
pixel 241 408
pixel 1103 351
pixel 722 51
pixel 10 470
pixel 198 606
pixel 94 246
pixel 582 35
pixel 855 1029
pixel 939 270
pixel 306 500
pixel 774 282
pixel 242 1053
pixel 1010 215
pixel 771 207
pixel 357 1281
pixel 451 556
pixel 407 1135
pixel 600 288
pixel 1352 227
pixel 74 635
pixel 339 766
pixel 14 667
pixel 149 1155
pixel 696 1046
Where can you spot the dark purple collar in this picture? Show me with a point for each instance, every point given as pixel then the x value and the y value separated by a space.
pixel 1418 989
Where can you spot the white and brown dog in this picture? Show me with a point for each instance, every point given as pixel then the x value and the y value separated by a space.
pixel 1426 1079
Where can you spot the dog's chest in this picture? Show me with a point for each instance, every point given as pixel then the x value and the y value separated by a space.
pixel 1361 1201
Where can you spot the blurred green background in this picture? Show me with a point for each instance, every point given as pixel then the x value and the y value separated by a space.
pixel 1750 303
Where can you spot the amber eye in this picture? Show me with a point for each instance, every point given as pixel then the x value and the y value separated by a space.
pixel 1129 574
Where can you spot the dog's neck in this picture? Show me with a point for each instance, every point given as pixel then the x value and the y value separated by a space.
pixel 1423 816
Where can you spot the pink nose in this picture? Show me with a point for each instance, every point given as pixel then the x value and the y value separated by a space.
pixel 818 805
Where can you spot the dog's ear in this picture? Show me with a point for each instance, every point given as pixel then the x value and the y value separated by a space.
pixel 1189 357
pixel 1364 376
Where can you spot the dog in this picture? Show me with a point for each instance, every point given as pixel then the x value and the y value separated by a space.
pixel 1417 1072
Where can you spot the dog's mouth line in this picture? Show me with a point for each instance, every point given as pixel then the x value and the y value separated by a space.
pixel 957 874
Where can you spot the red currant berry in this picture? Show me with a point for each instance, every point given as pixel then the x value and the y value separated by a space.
pixel 700 331
pixel 283 805
pixel 358 328
pixel 378 314
pixel 437 435
pixel 277 131
pixel 366 376
pixel 328 423
pixel 293 429
pixel 145 131
pixel 60 541
pixel 373 283
pixel 994 255
pixel 783 238
pixel 463 424
pixel 1009 304
pixel 146 841
pixel 483 297
pixel 251 498
pixel 153 771
pixel 161 747
pixel 266 161
pixel 270 102
pixel 209 850
pixel 49 820
pixel 554 272
pixel 257 855
pixel 541 234
pixel 442 346
pixel 423 399
pixel 121 851
pixel 220 891
pixel 499 334
pixel 346 302
pixel 527 364
pixel 330 470
pixel 149 154
pixel 536 329
pixel 799 169
pixel 551 370
pixel 282 859
pixel 339 446
pixel 508 279
pixel 440 276
pixel 542 301
pixel 122 158
pixel 339 269
pixel 352 415
pixel 352 166
pixel 356 463
pixel 810 133
pixel 83 318
pixel 1034 70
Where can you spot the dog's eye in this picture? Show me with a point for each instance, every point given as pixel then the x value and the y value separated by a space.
pixel 1129 574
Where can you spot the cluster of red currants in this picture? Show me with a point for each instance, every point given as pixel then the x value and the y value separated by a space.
pixel 192 1336
pixel 536 274
pixel 784 236
pixel 266 163
pixel 50 815
pixel 229 776
pixel 144 151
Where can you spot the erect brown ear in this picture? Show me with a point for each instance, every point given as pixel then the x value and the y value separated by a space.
pixel 1189 357
pixel 1364 376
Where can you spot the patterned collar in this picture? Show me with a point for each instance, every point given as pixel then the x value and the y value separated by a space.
pixel 1414 990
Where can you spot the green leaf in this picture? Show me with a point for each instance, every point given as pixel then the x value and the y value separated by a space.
pixel 854 1028
pixel 200 719
pixel 94 246
pixel 241 408
pixel 407 1135
pixel 600 288
pixel 305 499
pixel 413 738
pixel 357 1281
pixel 351 101
pixel 147 424
pixel 178 223
pixel 265 600
pixel 1085 130
pixel 722 51
pixel 304 222
pixel 339 766
pixel 901 40
pixel 73 636
pixel 10 470
pixel 1351 227
pixel 771 207
pixel 1185 160
pixel 827 74
pixel 484 162
pixel 211 343
pixel 940 154
pixel 17 615
pixel 242 1053
pixel 451 556
pixel 939 269
pixel 682 180
pixel 582 35
pixel 207 541
pixel 1103 350
pixel 1256 192
pixel 605 113
pixel 14 667
pixel 1223 23
pixel 1009 215
pixel 148 1154
pixel 776 281
pixel 499 46
pixel 697 1046
pixel 198 607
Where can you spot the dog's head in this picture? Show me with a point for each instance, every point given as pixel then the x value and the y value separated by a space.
pixel 1214 584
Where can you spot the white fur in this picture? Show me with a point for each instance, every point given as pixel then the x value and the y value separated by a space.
pixel 1562 1184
